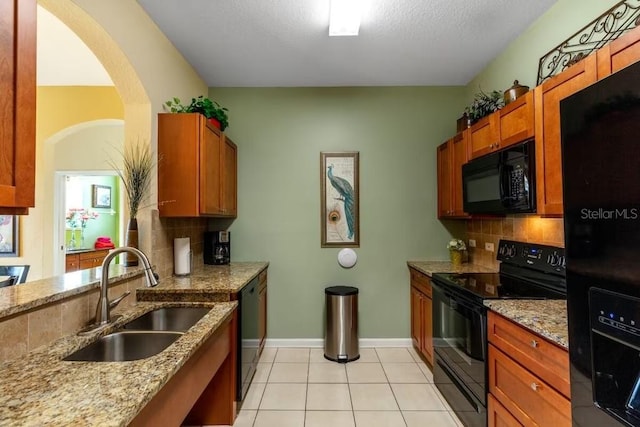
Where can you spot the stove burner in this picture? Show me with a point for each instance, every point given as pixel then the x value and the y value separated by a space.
pixel 527 271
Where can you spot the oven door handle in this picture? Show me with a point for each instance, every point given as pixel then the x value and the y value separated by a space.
pixel 455 300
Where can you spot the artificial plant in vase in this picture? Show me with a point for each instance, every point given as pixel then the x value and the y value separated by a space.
pixel 137 165
pixel 456 248
pixel 484 104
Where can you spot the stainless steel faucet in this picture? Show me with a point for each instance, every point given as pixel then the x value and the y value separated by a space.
pixel 103 310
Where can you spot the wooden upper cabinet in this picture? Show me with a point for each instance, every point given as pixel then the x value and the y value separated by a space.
pixel 445 186
pixel 517 121
pixel 459 155
pixel 512 124
pixel 547 131
pixel 451 156
pixel 210 178
pixel 619 53
pixel 484 136
pixel 196 168
pixel 17 105
pixel 229 177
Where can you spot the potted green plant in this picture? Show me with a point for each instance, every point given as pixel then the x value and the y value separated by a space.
pixel 484 104
pixel 205 106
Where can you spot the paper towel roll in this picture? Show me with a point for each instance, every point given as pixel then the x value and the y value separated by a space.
pixel 182 256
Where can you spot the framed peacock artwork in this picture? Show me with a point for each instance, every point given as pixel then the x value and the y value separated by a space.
pixel 339 199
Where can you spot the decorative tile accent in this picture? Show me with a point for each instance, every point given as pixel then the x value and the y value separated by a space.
pixel 14 336
pixel 524 228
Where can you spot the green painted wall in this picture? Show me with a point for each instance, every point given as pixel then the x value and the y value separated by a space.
pixel 280 133
pixel 520 59
pixel 107 223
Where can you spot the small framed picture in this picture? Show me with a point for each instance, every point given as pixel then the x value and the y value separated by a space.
pixel 101 196
pixel 9 235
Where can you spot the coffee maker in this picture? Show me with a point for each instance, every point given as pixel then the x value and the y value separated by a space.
pixel 217 247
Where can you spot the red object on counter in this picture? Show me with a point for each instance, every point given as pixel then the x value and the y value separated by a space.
pixel 104 243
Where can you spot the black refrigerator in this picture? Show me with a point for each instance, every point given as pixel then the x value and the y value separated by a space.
pixel 601 184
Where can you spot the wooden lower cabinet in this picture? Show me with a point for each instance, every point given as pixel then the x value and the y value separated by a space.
pixel 262 310
pixel 84 260
pixel 498 414
pixel 520 393
pixel 421 312
pixel 204 388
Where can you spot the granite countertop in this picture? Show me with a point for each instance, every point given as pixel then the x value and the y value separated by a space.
pixel 430 267
pixel 547 318
pixel 25 296
pixel 210 279
pixel 41 389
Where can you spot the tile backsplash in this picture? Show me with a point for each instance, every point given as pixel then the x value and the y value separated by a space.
pixel 165 230
pixel 523 228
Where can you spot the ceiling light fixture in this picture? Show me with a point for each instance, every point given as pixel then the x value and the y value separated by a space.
pixel 345 17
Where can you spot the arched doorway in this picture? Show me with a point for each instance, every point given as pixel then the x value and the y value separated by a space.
pixel 78 168
pixel 133 97
pixel 146 70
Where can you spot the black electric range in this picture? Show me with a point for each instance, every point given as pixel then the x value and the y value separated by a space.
pixel 527 271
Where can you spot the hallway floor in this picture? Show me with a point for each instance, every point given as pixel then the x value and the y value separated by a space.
pixel 386 387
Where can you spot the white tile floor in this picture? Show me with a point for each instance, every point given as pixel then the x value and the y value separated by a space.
pixel 386 387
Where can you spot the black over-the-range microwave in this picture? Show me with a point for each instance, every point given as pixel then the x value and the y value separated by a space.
pixel 501 182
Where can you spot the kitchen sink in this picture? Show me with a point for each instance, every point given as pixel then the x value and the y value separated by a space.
pixel 168 319
pixel 125 346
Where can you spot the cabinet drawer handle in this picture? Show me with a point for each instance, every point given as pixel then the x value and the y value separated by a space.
pixel 534 343
pixel 534 386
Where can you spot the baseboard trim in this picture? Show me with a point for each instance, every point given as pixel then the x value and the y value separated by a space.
pixel 319 342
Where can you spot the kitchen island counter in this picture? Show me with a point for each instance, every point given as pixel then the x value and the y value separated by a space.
pixel 209 283
pixel 42 389
pixel 547 318
pixel 33 294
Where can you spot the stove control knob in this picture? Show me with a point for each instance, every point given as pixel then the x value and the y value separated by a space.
pixel 554 259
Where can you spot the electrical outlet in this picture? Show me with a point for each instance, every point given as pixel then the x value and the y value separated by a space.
pixel 488 247
pixel 472 243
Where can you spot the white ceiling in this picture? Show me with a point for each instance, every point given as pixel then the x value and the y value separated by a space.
pixel 286 43
pixel 276 43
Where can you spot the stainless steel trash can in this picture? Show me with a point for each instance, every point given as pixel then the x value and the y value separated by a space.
pixel 341 328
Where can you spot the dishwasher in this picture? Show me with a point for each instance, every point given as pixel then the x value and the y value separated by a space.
pixel 248 338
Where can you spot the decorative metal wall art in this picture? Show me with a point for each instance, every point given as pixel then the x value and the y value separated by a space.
pixel 339 199
pixel 609 26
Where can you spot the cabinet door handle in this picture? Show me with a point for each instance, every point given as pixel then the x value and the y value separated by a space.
pixel 534 386
pixel 490 145
pixel 497 144
pixel 534 343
